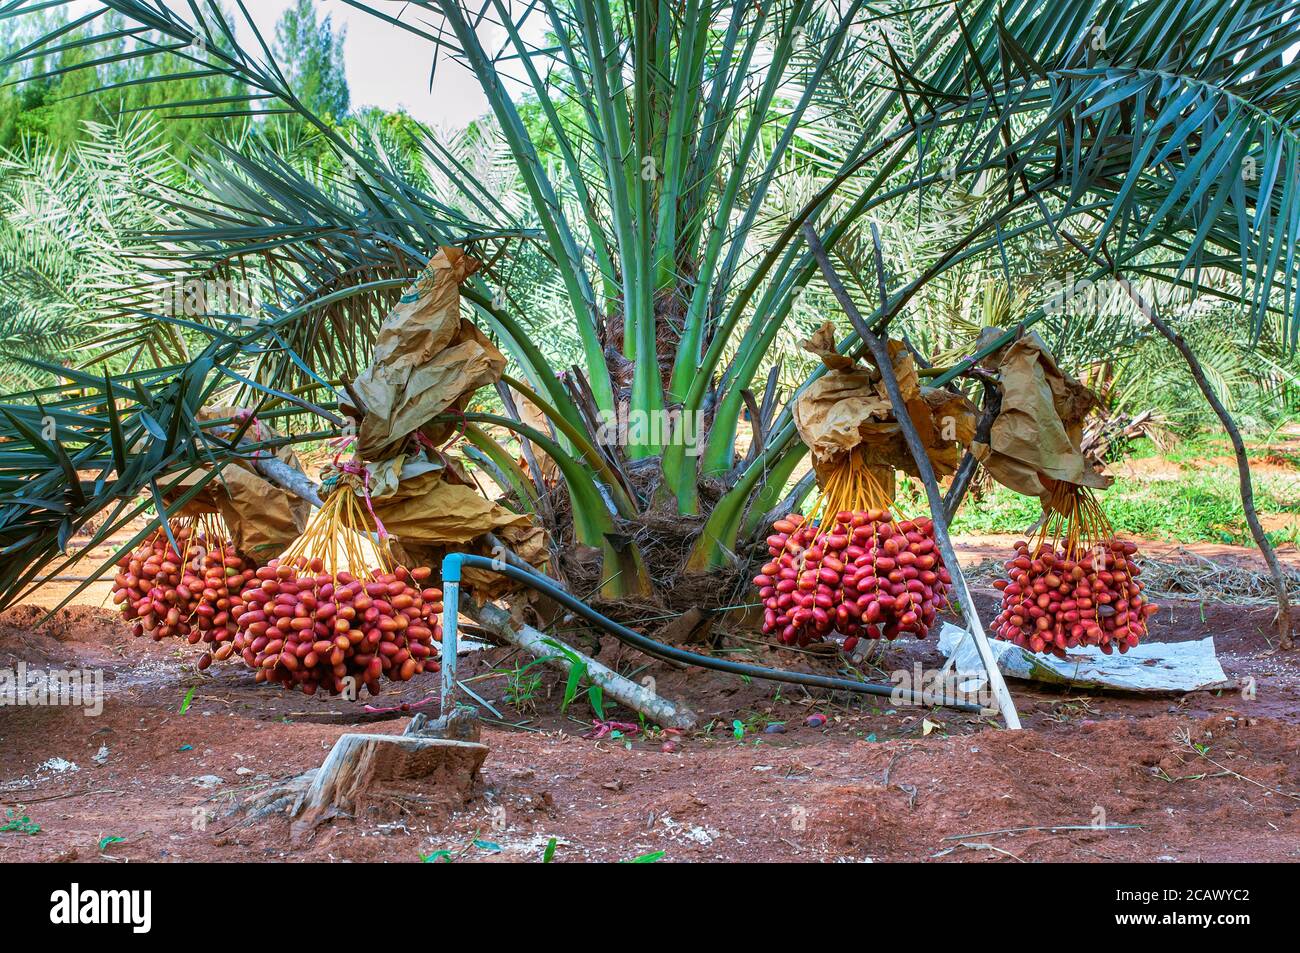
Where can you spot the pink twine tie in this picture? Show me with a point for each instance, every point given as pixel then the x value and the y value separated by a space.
pixel 242 414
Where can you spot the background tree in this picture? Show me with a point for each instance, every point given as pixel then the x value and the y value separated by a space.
pixel 310 53
pixel 95 73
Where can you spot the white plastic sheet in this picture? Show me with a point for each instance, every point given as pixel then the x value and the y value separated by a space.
pixel 1149 668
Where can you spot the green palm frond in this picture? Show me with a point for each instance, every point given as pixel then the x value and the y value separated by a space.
pixel 642 182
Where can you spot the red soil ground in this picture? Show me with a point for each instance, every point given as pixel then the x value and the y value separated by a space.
pixel 1207 776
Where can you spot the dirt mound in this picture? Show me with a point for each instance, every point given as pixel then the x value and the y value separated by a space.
pixel 73 624
pixel 1108 790
pixel 67 639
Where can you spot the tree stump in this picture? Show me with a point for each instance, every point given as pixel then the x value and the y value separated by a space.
pixel 373 776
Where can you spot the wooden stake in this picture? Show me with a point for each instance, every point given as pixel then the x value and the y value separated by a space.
pixel 880 353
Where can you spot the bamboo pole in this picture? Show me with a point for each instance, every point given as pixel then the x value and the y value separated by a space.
pixel 880 353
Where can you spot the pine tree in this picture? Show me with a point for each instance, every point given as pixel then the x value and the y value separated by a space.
pixel 311 55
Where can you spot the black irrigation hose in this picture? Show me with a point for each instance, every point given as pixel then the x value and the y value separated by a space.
pixel 451 573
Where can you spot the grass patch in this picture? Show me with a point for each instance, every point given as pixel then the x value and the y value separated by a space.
pixel 1200 447
pixel 1201 507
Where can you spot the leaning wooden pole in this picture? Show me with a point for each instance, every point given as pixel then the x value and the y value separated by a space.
pixel 1285 639
pixel 880 353
pixel 279 473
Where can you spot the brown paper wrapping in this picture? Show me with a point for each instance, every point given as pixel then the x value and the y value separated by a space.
pixel 427 359
pixel 429 510
pixel 262 518
pixel 1034 442
pixel 848 408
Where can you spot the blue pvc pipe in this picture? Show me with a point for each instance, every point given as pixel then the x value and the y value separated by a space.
pixel 451 564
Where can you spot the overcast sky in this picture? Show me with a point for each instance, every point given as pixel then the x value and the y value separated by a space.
pixel 387 66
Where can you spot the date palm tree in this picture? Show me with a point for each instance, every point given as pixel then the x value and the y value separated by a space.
pixel 670 154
